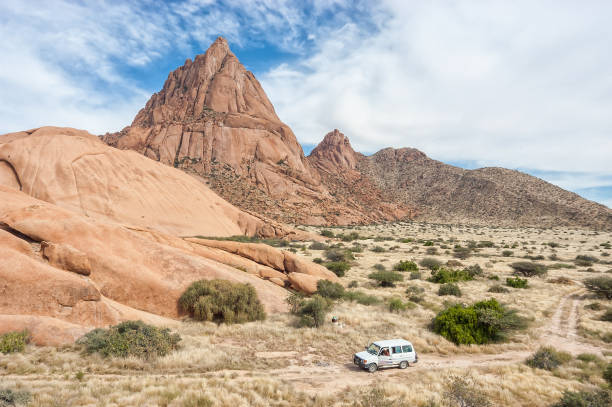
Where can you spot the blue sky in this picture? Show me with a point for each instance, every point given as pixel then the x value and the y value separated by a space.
pixel 523 84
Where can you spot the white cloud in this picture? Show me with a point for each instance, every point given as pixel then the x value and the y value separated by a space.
pixel 515 84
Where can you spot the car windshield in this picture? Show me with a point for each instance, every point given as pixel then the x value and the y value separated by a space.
pixel 373 349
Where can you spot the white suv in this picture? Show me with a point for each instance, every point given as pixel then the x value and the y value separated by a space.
pixel 393 352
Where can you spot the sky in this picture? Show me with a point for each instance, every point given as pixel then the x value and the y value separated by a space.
pixel 523 84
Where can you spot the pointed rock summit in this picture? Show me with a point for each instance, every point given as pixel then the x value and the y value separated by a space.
pixel 212 118
pixel 335 152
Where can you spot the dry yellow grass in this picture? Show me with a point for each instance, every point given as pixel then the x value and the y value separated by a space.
pixel 274 363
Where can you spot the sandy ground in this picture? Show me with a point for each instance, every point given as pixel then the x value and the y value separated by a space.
pixel 274 363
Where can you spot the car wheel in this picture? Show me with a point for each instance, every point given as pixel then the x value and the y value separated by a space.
pixel 372 367
pixel 403 365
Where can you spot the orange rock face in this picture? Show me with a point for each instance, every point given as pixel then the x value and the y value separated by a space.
pixel 77 252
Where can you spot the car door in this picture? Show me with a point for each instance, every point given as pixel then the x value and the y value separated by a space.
pixel 384 357
pixel 397 355
pixel 409 354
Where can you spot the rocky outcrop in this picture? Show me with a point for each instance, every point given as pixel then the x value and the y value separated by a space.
pixel 75 170
pixel 91 236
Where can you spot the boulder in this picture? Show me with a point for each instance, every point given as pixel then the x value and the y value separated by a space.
pixel 304 282
pixel 66 257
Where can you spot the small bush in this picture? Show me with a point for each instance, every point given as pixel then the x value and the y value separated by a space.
pixel 361 298
pixel 12 342
pixel 327 233
pixel 130 338
pixel 587 258
pixel 8 397
pixel 443 276
pixel 607 316
pixel 596 398
pixel 415 275
pixel 317 260
pixel 528 269
pixel 336 255
pixel 386 278
pixel 560 280
pixel 222 301
pixel 431 251
pixel 462 252
pixel 601 286
pixel 454 263
pixel 405 265
pixel 396 305
pixel 449 289
pixel 494 277
pixel 462 391
pixel 507 253
pixel 413 289
pixel 498 289
pixel 318 246
pixel 378 249
pixel 338 267
pixel 353 284
pixel 548 358
pixel 379 267
pixel 486 243
pixel 348 237
pixel 607 374
pixel 313 311
pixel 516 282
pixel 480 323
pixel 474 270
pixel 430 263
pixel 328 289
pixel 595 306
pixel 428 243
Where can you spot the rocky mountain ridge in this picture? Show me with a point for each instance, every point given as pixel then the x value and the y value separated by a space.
pixel 212 119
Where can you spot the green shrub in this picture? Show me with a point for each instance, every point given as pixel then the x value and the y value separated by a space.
pixel 486 243
pixel 379 267
pixel 431 251
pixel 336 255
pixel 317 260
pixel 318 246
pixel 494 277
pixel 607 374
pixel 327 233
pixel 430 263
pixel 516 282
pixel 222 301
pixel 8 397
pixel 584 257
pixel 443 276
pixel 413 289
pixel 328 289
pixel 396 305
pixel 480 323
pixel 353 284
pixel 596 398
pixel 312 312
pixel 12 342
pixel 498 289
pixel 607 316
pixel 338 267
pixel 507 253
pixel 378 249
pixel 386 278
pixel 130 338
pixel 528 269
pixel 415 275
pixel 405 265
pixel 348 237
pixel 601 286
pixel 361 298
pixel 548 358
pixel 428 243
pixel 449 289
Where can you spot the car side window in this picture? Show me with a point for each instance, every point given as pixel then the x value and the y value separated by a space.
pixel 397 349
pixel 385 352
pixel 407 348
